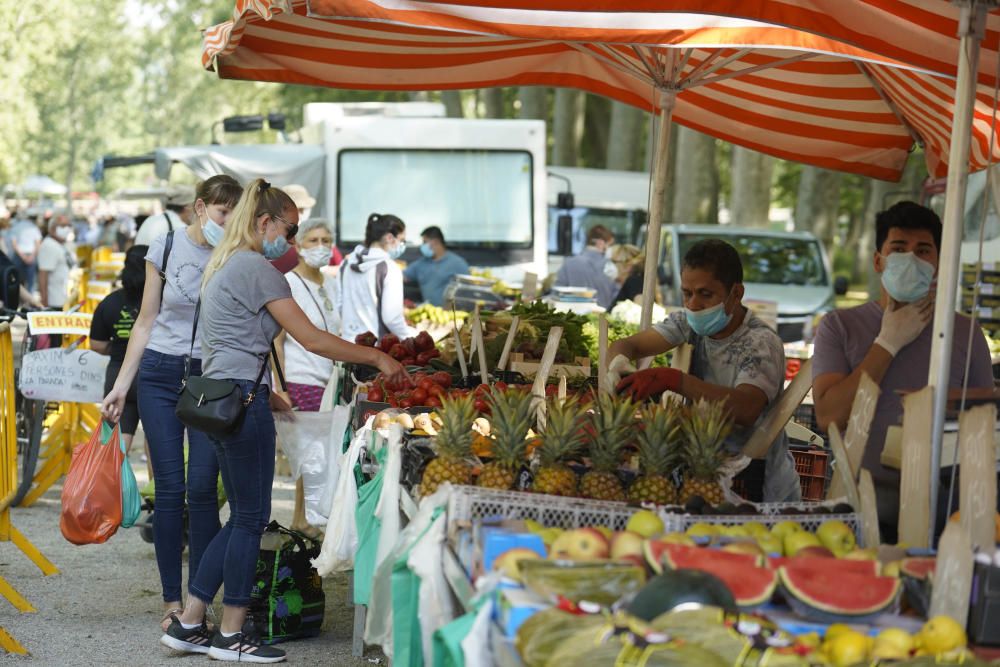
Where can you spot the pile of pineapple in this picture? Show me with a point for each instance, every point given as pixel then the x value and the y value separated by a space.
pixel 607 431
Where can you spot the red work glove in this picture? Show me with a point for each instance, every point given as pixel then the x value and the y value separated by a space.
pixel 650 382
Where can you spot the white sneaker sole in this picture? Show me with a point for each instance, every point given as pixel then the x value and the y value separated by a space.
pixel 226 655
pixel 182 646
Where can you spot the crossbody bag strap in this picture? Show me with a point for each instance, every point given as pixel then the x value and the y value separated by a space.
pixel 381 271
pixel 168 243
pixel 194 330
pixel 326 327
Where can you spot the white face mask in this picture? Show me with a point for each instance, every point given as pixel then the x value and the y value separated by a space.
pixel 611 270
pixel 62 233
pixel 317 256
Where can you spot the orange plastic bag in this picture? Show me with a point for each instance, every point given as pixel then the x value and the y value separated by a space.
pixel 92 494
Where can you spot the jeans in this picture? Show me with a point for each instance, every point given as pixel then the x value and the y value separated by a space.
pixel 159 382
pixel 246 460
pixel 29 272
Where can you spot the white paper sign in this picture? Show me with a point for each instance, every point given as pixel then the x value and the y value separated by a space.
pixel 72 376
pixel 59 323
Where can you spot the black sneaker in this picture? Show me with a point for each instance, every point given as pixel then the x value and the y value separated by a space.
pixel 179 638
pixel 243 648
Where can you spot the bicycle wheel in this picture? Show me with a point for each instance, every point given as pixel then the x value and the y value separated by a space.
pixel 30 421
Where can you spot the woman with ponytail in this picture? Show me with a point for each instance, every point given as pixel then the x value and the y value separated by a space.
pixel 371 293
pixel 159 343
pixel 245 302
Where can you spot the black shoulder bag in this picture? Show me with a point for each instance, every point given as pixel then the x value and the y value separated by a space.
pixel 216 407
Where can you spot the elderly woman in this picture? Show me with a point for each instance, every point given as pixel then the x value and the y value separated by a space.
pixel 56 258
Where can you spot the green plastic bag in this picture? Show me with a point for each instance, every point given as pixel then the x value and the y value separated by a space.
pixel 369 527
pixel 448 641
pixel 407 646
pixel 131 499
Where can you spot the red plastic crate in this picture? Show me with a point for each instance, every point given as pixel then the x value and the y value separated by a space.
pixel 811 462
pixel 813 488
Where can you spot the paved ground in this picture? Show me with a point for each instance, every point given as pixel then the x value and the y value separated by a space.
pixel 104 606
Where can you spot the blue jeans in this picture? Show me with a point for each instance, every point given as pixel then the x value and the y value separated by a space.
pixel 29 272
pixel 246 460
pixel 159 382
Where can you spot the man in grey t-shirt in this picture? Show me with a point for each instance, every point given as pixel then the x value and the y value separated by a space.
pixel 890 340
pixel 737 358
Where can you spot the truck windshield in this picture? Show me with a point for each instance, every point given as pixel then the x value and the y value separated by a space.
pixel 772 259
pixel 477 197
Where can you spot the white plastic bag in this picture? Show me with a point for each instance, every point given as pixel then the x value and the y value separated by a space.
pixel 333 384
pixel 476 645
pixel 436 607
pixel 305 441
pixel 387 509
pixel 337 554
pixel 337 425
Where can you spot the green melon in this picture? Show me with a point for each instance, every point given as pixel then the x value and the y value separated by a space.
pixel 676 587
pixel 824 594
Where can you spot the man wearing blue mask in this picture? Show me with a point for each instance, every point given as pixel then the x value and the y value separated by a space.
pixel 890 340
pixel 433 271
pixel 737 358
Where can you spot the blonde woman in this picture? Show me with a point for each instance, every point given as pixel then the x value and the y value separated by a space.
pixel 245 302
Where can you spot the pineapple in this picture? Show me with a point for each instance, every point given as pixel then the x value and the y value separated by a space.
pixel 454 443
pixel 562 438
pixel 705 429
pixel 657 442
pixel 512 414
pixel 610 429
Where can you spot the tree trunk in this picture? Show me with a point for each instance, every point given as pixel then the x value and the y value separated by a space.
pixel 567 126
pixel 817 203
pixel 750 202
pixel 452 100
pixel 534 102
pixel 493 102
pixel 696 185
pixel 625 138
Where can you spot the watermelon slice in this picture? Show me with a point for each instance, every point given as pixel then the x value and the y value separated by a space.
pixel 841 594
pixel 868 567
pixel 677 556
pixel 750 585
pixel 918 567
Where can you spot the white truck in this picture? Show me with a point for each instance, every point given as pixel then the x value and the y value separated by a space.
pixel 483 182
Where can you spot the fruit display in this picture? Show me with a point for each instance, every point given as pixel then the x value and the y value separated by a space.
pixel 705 431
pixel 436 316
pixel 658 450
pixel 513 414
pixel 561 441
pixel 827 595
pixel 609 429
pixel 454 445
pixel 415 351
pixel 750 583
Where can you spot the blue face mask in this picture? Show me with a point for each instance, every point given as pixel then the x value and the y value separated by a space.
pixel 213 232
pixel 708 321
pixel 425 250
pixel 398 251
pixel 906 277
pixel 276 248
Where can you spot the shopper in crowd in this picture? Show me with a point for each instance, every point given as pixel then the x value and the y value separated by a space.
pixel 25 239
pixel 245 303
pixel 110 330
pixel 308 374
pixel 304 203
pixel 890 341
pixel 178 213
pixel 371 283
pixel 737 358
pixel 157 352
pixel 592 268
pixel 436 266
pixel 629 263
pixel 56 258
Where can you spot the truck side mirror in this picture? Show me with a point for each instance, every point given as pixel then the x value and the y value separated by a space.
pixel 564 235
pixel 840 285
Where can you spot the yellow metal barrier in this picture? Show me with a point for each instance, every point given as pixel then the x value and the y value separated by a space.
pixel 8 485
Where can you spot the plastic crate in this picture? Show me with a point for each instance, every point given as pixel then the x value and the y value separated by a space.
pixel 813 488
pixel 811 462
pixel 468 503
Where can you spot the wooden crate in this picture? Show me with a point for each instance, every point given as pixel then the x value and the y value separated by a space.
pixel 529 367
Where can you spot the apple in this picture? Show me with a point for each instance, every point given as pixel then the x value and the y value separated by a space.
pixel 815 552
pixel 783 528
pixel 744 547
pixel 645 523
pixel 798 540
pixel 509 562
pixel 702 529
pixel 891 569
pixel 734 531
pixel 836 536
pixel 755 528
pixel 861 554
pixel 626 543
pixel 677 538
pixel 771 544
pixel 603 530
pixel 581 544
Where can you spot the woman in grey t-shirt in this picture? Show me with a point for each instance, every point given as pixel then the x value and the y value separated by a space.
pixel 245 303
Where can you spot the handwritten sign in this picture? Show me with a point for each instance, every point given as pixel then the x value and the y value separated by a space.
pixel 915 475
pixel 858 426
pixel 72 376
pixel 840 465
pixel 59 323
pixel 870 534
pixel 953 575
pixel 509 343
pixel 548 357
pixel 978 489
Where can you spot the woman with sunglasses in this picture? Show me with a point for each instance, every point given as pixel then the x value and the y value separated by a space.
pixel 307 374
pixel 245 302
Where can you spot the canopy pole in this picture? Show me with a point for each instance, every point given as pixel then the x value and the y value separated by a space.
pixel 660 177
pixel 971 26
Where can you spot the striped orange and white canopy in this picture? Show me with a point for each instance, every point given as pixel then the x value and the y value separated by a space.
pixel 855 105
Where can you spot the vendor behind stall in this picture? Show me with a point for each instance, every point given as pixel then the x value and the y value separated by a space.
pixel 436 266
pixel 737 358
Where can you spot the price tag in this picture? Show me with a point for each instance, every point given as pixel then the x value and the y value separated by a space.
pixel 977 482
pixel 870 535
pixel 915 476
pixel 952 575
pixel 858 427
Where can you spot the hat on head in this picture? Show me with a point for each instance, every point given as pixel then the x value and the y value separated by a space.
pixel 179 196
pixel 299 195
